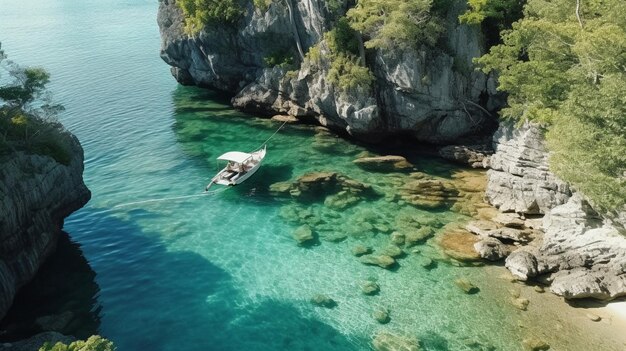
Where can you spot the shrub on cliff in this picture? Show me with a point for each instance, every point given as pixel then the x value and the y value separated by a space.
pixel 27 116
pixel 94 343
pixel 198 13
pixel 564 66
pixel 391 24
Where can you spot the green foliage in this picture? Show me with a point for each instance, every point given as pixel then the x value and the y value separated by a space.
pixel 347 73
pixel 346 69
pixel 504 11
pixel 396 23
pixel 94 343
pixel 27 116
pixel 280 58
pixel 333 6
pixel 570 76
pixel 199 13
pixel 262 5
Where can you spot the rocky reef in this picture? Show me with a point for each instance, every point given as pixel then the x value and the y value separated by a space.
pixel 37 193
pixel 430 93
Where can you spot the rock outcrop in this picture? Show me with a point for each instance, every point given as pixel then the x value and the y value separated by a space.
pixel 580 254
pixel 519 178
pixel 431 93
pixel 37 193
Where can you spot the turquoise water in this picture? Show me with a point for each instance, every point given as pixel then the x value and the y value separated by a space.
pixel 222 272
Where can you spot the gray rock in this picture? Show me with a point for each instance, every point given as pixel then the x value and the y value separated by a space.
pixel 37 194
pixel 517 235
pixel 475 156
pixel 519 179
pixel 510 220
pixel 522 264
pixel 433 94
pixel 587 255
pixel 480 227
pixel 491 249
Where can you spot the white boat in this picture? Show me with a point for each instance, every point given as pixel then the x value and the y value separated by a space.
pixel 240 166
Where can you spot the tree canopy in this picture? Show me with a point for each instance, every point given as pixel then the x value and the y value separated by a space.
pixel 564 66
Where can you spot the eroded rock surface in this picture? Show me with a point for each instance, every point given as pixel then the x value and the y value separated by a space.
pixel 432 94
pixel 519 178
pixel 36 194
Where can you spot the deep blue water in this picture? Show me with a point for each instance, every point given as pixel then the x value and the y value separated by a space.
pixel 222 272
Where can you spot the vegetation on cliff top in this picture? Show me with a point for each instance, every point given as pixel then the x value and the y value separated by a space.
pixel 94 343
pixel 27 116
pixel 564 66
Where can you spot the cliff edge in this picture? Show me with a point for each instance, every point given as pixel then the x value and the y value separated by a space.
pixel 430 92
pixel 36 194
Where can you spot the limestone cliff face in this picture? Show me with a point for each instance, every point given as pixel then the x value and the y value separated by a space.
pixel 519 178
pixel 432 94
pixel 36 194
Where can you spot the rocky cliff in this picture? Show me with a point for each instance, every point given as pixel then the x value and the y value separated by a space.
pixel 432 93
pixel 37 193
pixel 578 252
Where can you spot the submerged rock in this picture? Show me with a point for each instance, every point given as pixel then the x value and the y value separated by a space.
pixel 533 343
pixel 360 250
pixel 481 227
pixel 303 235
pixel 369 287
pixel 386 341
pixel 382 261
pixel 397 238
pixel 414 237
pixel 459 245
pixel 383 163
pixel 322 300
pixel 428 193
pixel 392 251
pixel 381 315
pixel 466 285
pixel 520 303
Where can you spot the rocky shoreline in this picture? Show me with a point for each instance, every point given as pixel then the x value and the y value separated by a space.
pixel 37 194
pixel 558 239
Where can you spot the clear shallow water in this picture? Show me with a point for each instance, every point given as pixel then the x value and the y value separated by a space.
pixel 222 272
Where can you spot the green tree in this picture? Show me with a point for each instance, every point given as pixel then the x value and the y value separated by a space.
pixel 27 114
pixel 564 66
pixel 198 13
pixel 396 23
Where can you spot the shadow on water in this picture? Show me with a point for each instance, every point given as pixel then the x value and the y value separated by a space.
pixel 64 286
pixel 155 299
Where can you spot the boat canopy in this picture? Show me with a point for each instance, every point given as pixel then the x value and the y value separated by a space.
pixel 235 156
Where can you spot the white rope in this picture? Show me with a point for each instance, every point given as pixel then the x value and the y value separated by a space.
pixel 271 136
pixel 174 198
